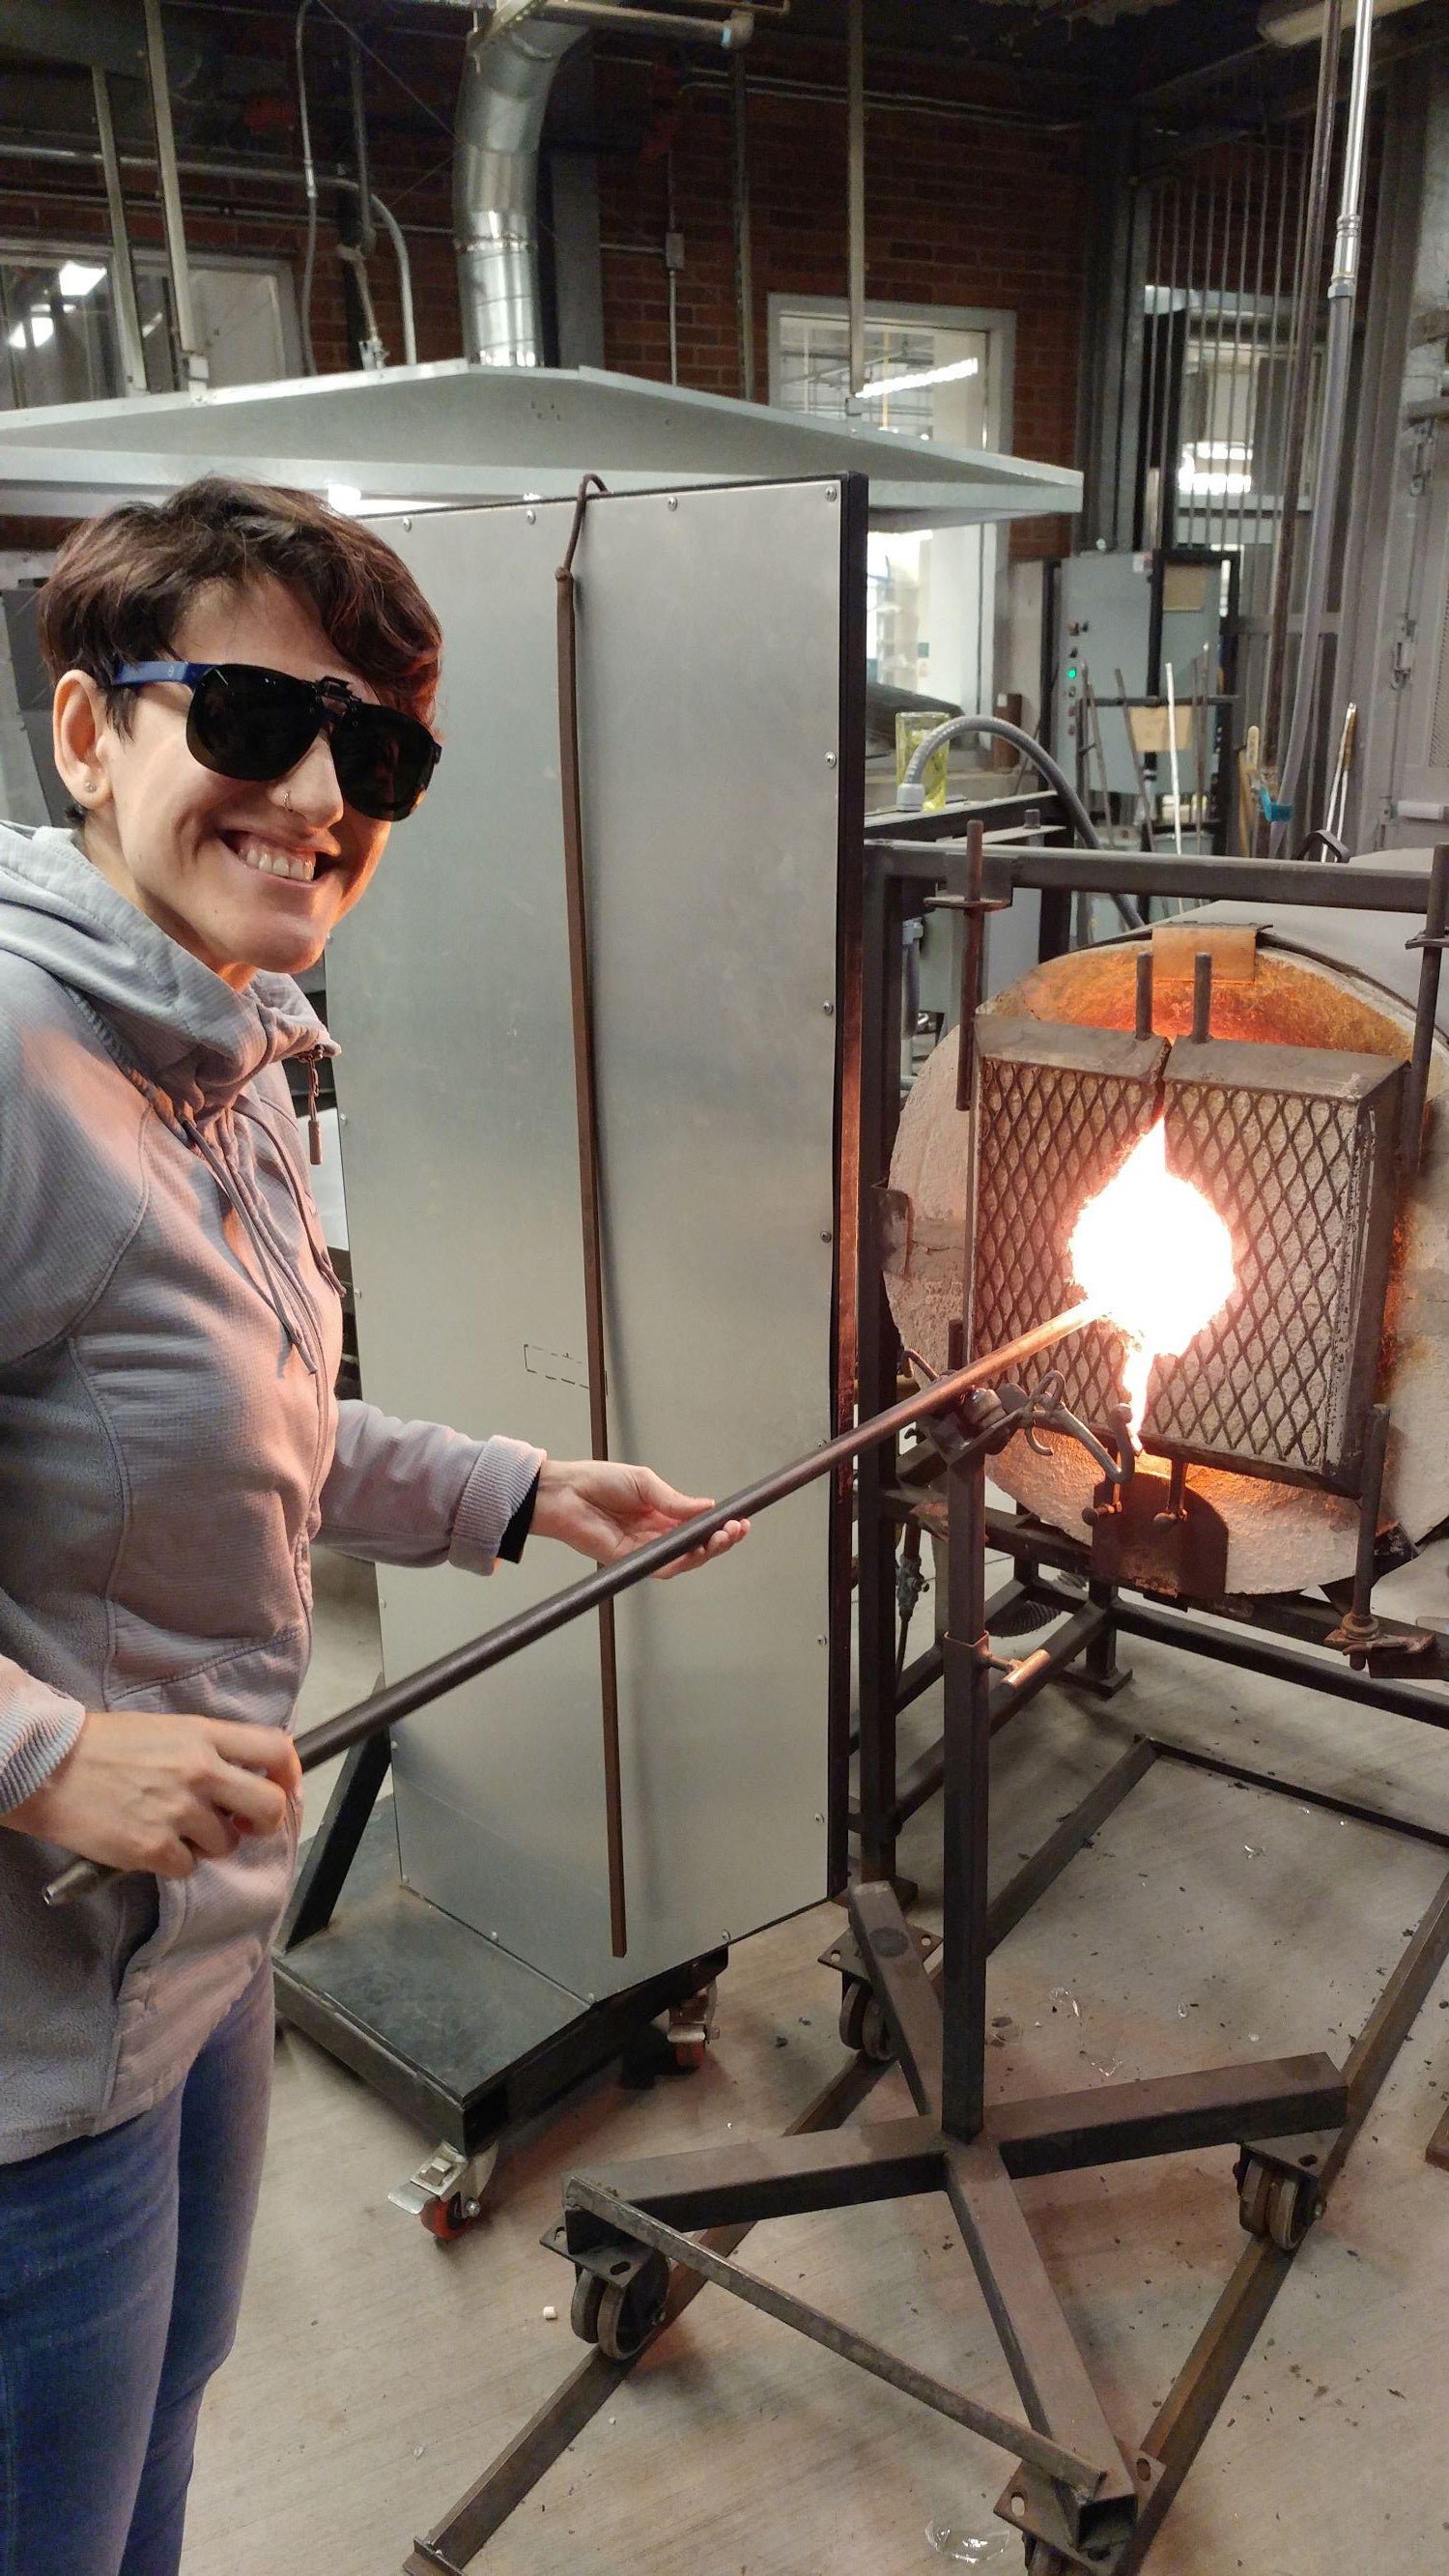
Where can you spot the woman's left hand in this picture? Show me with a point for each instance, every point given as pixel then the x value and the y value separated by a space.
pixel 606 1511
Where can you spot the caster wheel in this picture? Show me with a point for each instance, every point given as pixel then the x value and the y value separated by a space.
pixel 584 2311
pixel 1276 2205
pixel 629 2311
pixel 445 2219
pixel 1292 2209
pixel 694 2017
pixel 863 2026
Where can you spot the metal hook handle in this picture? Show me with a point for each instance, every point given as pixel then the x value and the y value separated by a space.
pixel 1043 1409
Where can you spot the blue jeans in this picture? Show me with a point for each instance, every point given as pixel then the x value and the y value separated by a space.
pixel 121 2263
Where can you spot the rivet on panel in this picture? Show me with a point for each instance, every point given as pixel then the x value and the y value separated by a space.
pixel 673 501
pixel 532 517
pixel 830 492
pixel 830 760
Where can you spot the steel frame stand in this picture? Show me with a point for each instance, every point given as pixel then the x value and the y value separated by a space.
pixel 1077 2495
pixel 1079 2498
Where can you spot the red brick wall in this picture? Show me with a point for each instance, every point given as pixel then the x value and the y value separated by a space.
pixel 957 213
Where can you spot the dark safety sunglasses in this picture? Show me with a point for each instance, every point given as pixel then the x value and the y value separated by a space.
pixel 248 722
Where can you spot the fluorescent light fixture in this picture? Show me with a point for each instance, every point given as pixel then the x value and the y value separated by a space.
pixel 79 277
pixel 1300 22
pixel 344 496
pixel 928 376
pixel 1222 481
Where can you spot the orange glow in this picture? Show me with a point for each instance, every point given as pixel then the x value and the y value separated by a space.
pixel 1155 1255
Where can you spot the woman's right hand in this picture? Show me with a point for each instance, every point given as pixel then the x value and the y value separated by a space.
pixel 142 1789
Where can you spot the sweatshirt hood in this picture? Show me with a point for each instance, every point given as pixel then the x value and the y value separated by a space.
pixel 200 1041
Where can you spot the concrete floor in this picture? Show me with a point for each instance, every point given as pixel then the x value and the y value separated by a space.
pixel 376 2373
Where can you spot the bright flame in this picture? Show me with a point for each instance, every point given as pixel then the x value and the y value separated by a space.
pixel 1155 1255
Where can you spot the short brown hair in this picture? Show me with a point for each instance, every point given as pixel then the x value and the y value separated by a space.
pixel 123 582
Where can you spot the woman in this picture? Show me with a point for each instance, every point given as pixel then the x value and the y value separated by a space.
pixel 243 682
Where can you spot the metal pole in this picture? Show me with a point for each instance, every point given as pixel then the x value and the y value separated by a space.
pixel 193 356
pixel 1202 997
pixel 597 1591
pixel 973 949
pixel 1431 958
pixel 855 185
pixel 1342 297
pixel 1300 377
pixel 366 229
pixel 671 273
pixel 1247 376
pixel 966 1794
pixel 744 260
pixel 128 319
pixel 586 1102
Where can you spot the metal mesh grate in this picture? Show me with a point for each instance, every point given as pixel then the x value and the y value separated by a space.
pixel 1298 1160
pixel 1290 1178
pixel 1049 1140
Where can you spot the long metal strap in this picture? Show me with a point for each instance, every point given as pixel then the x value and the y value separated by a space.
pixel 1074 2468
pixel 586 1101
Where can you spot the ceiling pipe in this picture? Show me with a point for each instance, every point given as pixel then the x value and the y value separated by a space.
pixel 1338 351
pixel 508 72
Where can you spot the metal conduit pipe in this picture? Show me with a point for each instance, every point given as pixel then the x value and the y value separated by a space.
pixel 309 181
pixel 507 75
pixel 77 156
pixel 1342 299
pixel 1300 373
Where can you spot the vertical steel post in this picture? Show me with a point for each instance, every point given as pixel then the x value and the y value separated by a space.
pixel 1300 378
pixel 193 356
pixel 1143 1022
pixel 1431 959
pixel 1375 1453
pixel 1202 996
pixel 973 950
pixel 855 185
pixel 880 1090
pixel 123 274
pixel 744 257
pixel 966 1805
pixel 1337 363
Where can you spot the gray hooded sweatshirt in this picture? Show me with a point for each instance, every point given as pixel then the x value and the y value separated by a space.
pixel 170 1446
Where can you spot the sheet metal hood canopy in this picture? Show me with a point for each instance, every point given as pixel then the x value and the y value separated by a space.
pixel 455 431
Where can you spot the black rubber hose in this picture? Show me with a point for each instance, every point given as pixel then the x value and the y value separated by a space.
pixel 1049 769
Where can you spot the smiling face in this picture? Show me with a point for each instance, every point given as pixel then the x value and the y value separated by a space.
pixel 246 874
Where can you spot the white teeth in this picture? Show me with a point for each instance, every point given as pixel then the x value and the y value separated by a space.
pixel 268 860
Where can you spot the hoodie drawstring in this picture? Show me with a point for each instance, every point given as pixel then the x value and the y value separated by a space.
pixel 236 1200
pixel 314 1124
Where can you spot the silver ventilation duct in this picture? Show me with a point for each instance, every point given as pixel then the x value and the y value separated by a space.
pixel 507 75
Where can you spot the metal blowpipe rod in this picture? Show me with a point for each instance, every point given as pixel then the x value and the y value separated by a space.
pixel 386 1707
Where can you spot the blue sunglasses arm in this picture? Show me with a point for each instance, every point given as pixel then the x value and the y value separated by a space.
pixel 139 675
